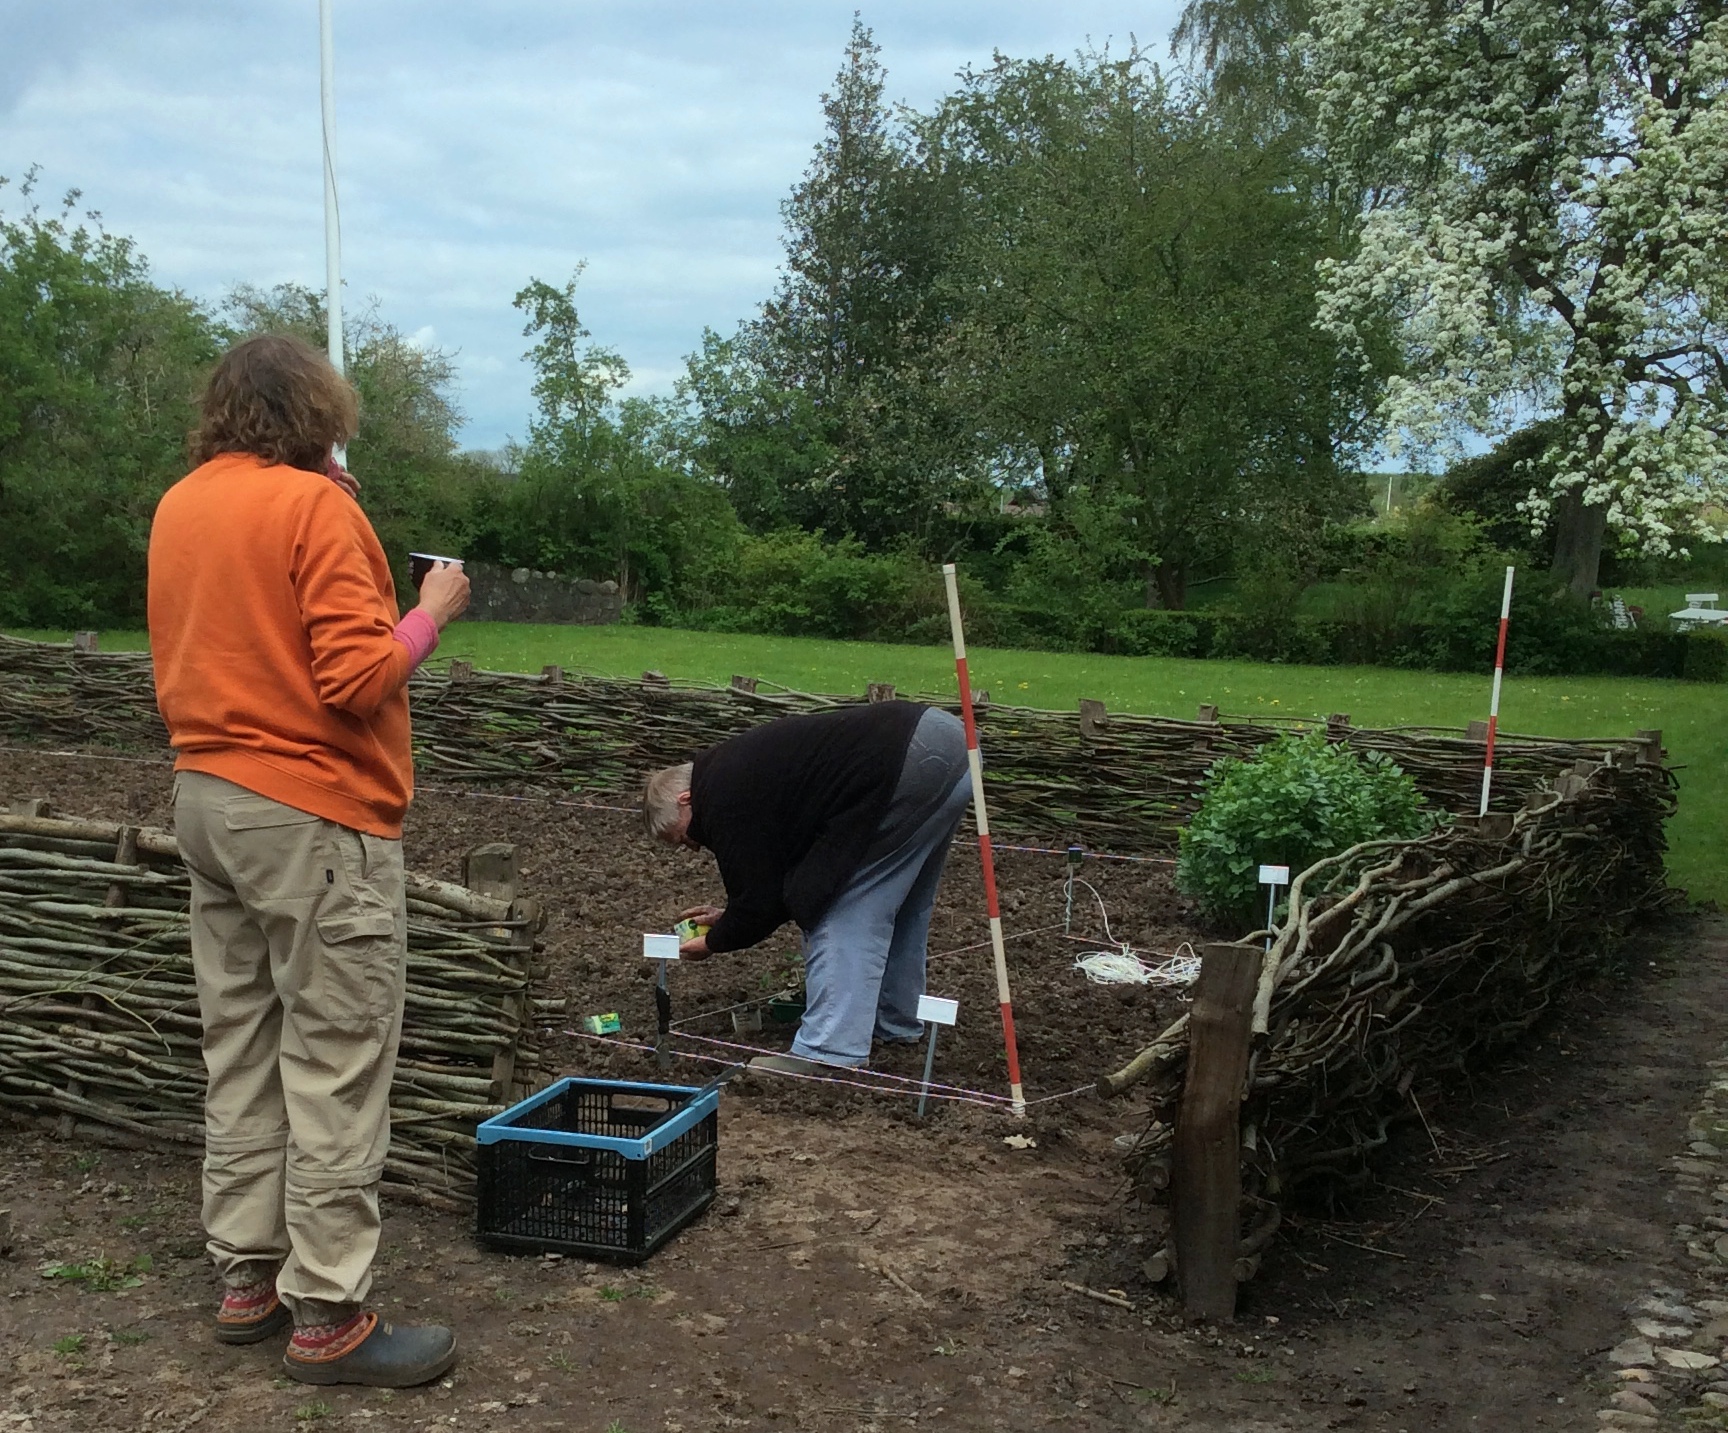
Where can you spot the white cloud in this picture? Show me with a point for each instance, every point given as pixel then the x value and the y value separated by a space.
pixel 479 146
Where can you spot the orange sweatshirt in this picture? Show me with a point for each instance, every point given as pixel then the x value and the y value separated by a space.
pixel 271 620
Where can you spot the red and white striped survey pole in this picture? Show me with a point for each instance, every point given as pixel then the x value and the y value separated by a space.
pixel 1494 701
pixel 1004 998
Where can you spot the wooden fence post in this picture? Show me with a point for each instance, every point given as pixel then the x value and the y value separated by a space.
pixel 879 691
pixel 491 871
pixel 1208 712
pixel 86 642
pixel 1338 726
pixel 746 685
pixel 1206 1175
pixel 1094 719
pixel 125 854
pixel 552 675
pixel 461 671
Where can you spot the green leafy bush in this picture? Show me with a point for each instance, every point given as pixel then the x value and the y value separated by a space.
pixel 1299 799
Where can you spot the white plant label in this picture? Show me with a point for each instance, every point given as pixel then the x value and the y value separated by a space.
pixel 1274 875
pixel 937 1011
pixel 659 947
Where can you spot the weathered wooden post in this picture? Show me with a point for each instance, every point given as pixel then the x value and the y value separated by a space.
pixel 879 691
pixel 1094 719
pixel 461 671
pixel 89 642
pixel 491 871
pixel 552 675
pixel 1206 1173
pixel 744 685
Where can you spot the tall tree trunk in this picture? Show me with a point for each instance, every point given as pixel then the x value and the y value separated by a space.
pixel 1168 584
pixel 1579 529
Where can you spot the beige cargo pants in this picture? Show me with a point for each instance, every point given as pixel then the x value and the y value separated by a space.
pixel 299 936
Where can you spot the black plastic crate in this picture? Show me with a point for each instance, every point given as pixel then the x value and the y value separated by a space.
pixel 602 1168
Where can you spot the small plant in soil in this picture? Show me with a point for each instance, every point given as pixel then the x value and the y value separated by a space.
pixel 69 1344
pixel 131 1338
pixel 102 1275
pixel 1256 1375
pixel 561 1361
pixel 86 1162
pixel 312 1412
pixel 613 1294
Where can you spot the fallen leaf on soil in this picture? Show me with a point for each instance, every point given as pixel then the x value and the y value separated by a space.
pixel 1019 1141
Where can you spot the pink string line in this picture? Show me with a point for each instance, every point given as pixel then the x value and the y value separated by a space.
pixel 87 755
pixel 959 1094
pixel 971 1098
pixel 542 800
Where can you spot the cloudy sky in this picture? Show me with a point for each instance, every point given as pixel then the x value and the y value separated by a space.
pixel 480 144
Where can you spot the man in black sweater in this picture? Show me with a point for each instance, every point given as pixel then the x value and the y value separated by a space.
pixel 839 821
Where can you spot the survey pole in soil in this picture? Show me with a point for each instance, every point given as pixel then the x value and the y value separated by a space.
pixel 1494 700
pixel 986 857
pixel 332 210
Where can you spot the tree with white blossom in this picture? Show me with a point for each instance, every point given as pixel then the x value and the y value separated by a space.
pixel 1546 225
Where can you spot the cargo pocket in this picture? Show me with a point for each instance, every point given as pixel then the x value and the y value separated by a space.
pixel 270 850
pixel 360 939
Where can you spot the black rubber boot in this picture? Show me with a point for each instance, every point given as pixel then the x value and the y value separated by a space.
pixel 386 1356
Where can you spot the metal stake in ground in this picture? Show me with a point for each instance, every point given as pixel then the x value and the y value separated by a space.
pixel 662 950
pixel 934 1012
pixel 1003 996
pixel 1494 700
pixel 1272 877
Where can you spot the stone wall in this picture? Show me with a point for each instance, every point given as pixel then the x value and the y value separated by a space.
pixel 520 595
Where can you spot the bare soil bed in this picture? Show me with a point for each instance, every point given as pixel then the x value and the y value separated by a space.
pixel 865 1270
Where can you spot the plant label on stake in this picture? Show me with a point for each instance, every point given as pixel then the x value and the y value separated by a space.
pixel 1272 877
pixel 661 949
pixel 934 1011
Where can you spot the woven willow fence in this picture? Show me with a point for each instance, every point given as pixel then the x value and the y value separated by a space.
pixel 99 1027
pixel 1401 961
pixel 1119 783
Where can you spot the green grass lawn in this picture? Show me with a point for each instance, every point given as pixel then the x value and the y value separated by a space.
pixel 1693 717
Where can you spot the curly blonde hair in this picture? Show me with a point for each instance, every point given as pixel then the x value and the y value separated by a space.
pixel 279 398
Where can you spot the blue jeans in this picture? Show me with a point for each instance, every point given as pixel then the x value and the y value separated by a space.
pixel 864 960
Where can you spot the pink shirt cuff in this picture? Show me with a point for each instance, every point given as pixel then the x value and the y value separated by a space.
pixel 419 634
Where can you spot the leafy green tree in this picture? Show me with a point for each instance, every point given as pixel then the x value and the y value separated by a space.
pixel 1134 301
pixel 829 411
pixel 1546 228
pixel 99 368
pixel 600 490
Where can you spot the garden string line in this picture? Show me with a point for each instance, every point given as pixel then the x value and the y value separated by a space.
pixel 554 801
pixel 954 1093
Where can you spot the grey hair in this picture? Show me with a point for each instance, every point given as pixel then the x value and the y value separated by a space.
pixel 660 798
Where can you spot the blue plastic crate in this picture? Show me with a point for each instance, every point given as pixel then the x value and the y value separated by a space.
pixel 607 1169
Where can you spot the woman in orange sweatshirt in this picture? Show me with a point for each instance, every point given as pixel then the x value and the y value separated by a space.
pixel 281 671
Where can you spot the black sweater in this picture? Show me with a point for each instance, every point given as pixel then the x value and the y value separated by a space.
pixel 789 809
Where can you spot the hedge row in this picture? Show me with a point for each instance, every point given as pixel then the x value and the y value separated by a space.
pixel 1700 656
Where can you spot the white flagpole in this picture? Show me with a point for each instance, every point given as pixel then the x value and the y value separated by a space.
pixel 332 211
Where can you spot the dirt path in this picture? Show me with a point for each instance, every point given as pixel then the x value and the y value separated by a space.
pixel 865 1272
